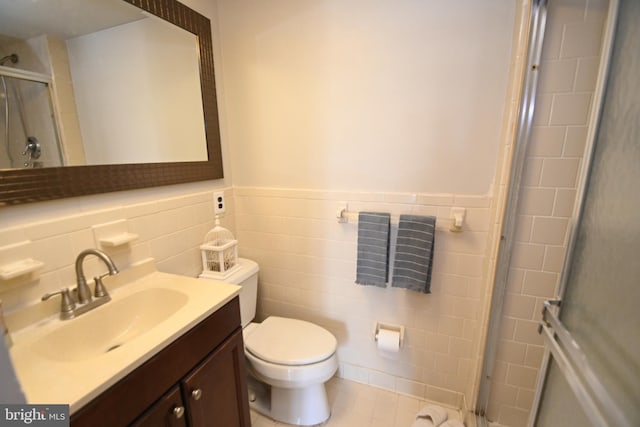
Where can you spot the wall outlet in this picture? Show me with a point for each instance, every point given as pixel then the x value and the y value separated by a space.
pixel 219 205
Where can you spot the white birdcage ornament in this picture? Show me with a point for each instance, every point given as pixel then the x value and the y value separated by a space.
pixel 219 253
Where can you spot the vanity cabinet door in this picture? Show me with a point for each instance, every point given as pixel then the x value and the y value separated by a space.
pixel 167 412
pixel 215 392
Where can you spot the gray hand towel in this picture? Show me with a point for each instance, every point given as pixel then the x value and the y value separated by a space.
pixel 414 253
pixel 373 249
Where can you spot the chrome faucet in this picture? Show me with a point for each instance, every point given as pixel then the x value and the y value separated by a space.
pixel 83 291
pixel 71 307
pixel 67 304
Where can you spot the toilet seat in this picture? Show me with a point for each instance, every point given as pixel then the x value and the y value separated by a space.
pixel 290 342
pixel 292 376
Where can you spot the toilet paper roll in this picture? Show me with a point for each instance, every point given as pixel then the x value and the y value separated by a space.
pixel 388 341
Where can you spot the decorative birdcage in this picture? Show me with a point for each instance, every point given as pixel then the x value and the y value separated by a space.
pixel 219 253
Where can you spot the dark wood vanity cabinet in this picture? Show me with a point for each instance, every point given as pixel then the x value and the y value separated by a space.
pixel 167 412
pixel 213 393
pixel 198 380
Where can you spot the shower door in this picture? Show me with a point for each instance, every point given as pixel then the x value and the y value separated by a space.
pixel 600 308
pixel 28 131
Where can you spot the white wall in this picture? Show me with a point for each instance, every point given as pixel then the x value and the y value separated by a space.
pixel 159 64
pixel 366 95
pixel 390 107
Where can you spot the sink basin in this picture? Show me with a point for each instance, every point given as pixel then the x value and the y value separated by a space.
pixel 111 326
pixel 73 361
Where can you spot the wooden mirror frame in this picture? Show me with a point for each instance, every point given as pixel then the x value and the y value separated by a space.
pixel 19 186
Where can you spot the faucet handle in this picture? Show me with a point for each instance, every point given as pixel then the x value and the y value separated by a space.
pixel 100 290
pixel 67 305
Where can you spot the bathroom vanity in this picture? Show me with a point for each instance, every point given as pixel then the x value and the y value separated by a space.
pixel 197 379
pixel 166 350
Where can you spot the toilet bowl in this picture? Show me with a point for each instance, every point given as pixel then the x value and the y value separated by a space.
pixel 295 358
pixel 288 360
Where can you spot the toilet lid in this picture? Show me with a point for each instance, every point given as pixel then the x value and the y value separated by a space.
pixel 290 342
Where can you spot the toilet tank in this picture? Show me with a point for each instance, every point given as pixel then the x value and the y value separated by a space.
pixel 246 277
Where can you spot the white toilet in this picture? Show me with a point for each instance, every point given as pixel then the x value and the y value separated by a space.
pixel 288 360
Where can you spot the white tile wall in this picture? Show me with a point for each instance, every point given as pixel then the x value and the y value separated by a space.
pixel 170 229
pixel 308 265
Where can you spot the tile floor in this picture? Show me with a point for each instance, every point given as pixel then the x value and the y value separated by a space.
pixel 359 405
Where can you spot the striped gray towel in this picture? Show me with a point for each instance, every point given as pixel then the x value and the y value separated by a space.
pixel 373 248
pixel 414 253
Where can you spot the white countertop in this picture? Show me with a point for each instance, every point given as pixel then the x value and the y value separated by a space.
pixel 76 382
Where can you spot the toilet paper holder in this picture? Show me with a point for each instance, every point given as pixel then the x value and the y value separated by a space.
pixel 389 327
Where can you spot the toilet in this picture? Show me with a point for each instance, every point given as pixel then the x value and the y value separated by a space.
pixel 288 360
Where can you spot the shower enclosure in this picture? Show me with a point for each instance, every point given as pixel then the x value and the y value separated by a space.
pixel 28 130
pixel 593 369
pixel 590 373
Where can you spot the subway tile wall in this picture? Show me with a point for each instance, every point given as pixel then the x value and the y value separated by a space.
pixel 307 262
pixel 307 270
pixel 554 159
pixel 170 229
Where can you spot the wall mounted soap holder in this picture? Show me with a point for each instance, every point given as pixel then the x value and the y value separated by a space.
pixel 112 234
pixel 19 268
pixel 118 239
pixel 15 260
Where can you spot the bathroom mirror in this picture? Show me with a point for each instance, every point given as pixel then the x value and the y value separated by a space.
pixel 23 185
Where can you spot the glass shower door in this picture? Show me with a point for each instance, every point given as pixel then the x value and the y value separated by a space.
pixel 28 132
pixel 601 305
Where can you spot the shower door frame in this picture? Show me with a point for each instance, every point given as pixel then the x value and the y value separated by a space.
pixel 526 109
pixel 47 80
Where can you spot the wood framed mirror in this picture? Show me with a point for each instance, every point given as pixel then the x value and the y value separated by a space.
pixel 26 185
